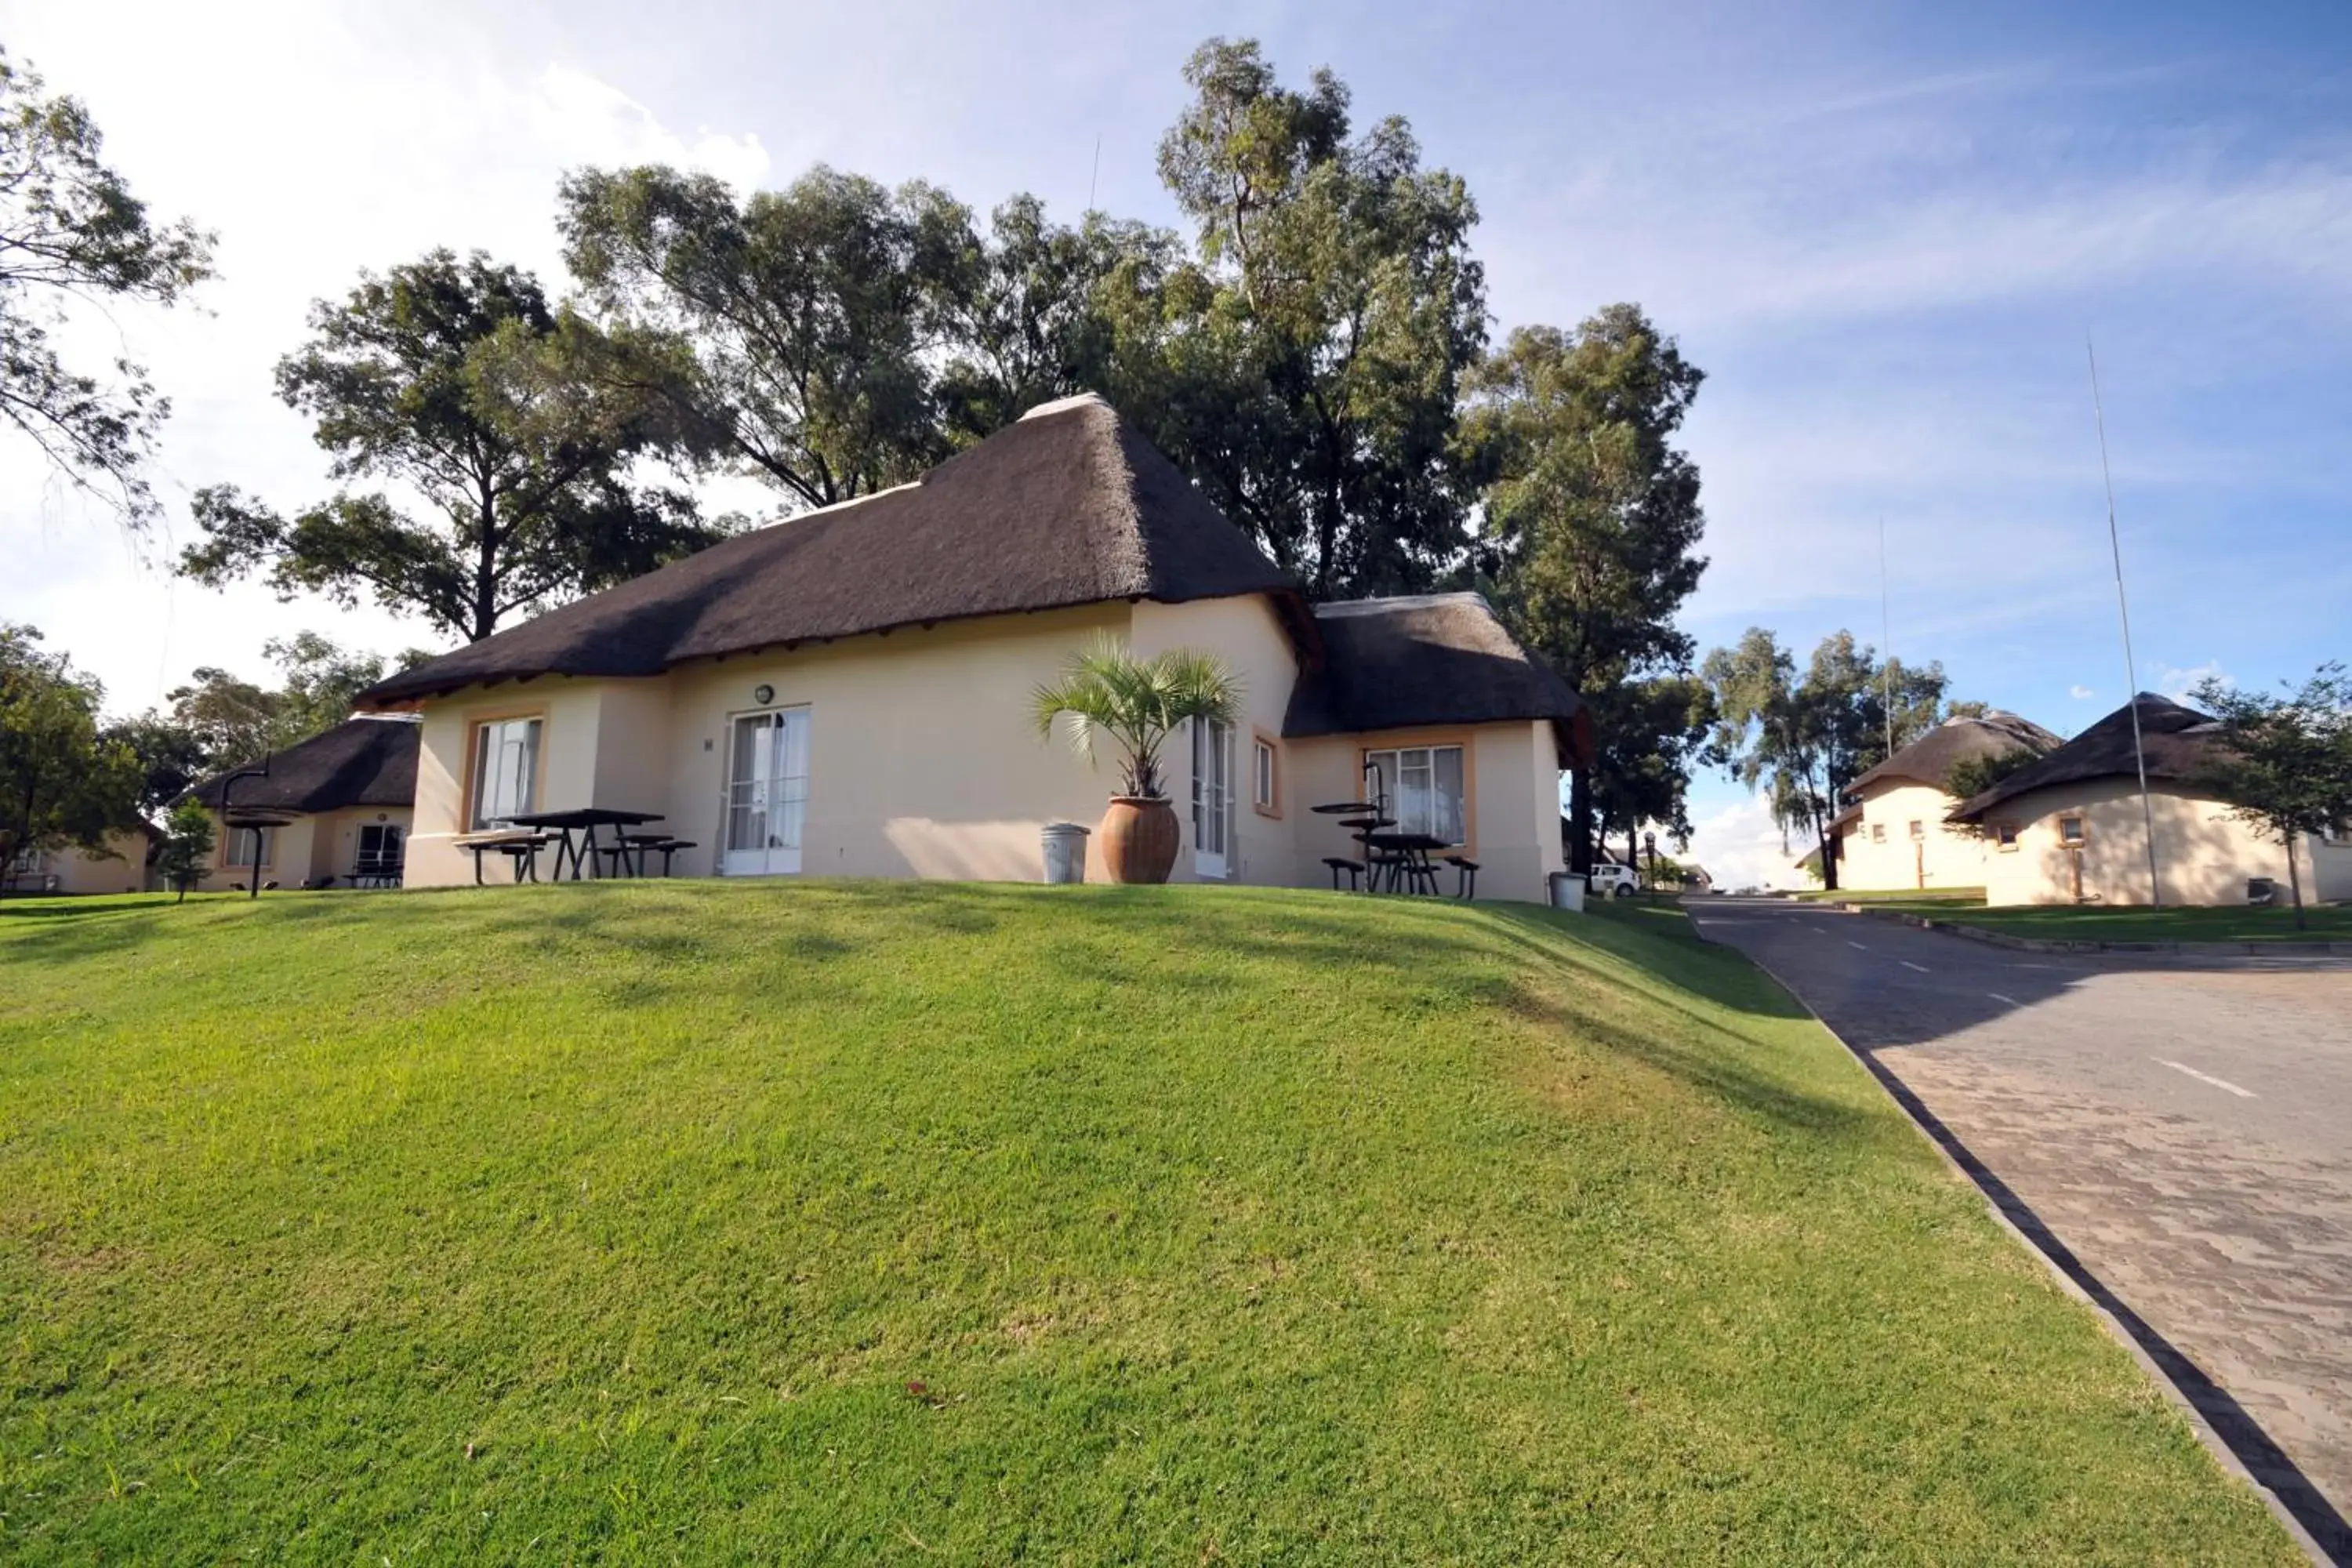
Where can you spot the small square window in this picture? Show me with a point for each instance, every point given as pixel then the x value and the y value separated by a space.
pixel 1918 832
pixel 2005 835
pixel 2070 830
pixel 1878 833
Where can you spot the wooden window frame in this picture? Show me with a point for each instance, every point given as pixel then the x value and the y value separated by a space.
pixel 1878 833
pixel 2005 837
pixel 474 721
pixel 1272 806
pixel 2081 823
pixel 1415 739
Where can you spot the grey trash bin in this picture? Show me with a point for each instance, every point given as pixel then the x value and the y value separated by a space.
pixel 1065 852
pixel 1567 891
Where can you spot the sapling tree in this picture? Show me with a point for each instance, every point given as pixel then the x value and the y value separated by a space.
pixel 187 845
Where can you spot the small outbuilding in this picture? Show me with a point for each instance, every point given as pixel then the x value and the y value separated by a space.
pixel 332 811
pixel 2070 828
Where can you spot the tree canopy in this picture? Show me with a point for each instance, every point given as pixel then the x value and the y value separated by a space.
pixel 62 781
pixel 1804 740
pixel 454 381
pixel 1341 287
pixel 70 229
pixel 786 332
pixel 1588 546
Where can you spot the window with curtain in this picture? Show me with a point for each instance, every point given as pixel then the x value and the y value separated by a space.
pixel 506 771
pixel 1424 790
pixel 237 846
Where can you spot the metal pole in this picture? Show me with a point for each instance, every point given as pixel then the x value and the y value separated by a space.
pixel 2123 607
pixel 1885 638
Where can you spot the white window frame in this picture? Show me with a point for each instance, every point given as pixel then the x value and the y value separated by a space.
pixel 774 798
pixel 1265 777
pixel 1422 814
pixel 1212 799
pixel 518 794
pixel 392 833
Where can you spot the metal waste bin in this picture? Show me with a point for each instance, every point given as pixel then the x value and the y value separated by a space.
pixel 1066 851
pixel 1567 891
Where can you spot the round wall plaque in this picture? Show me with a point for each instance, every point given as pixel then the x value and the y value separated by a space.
pixel 763 695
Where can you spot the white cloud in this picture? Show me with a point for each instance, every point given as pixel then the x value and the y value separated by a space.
pixel 2081 693
pixel 590 121
pixel 317 142
pixel 2179 684
pixel 1740 847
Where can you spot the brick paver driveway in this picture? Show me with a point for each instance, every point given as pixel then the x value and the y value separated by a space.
pixel 2184 1127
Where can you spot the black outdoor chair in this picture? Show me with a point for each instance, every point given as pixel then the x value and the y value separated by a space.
pixel 1340 863
pixel 1465 882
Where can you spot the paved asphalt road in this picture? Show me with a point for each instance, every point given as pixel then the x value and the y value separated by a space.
pixel 2182 1126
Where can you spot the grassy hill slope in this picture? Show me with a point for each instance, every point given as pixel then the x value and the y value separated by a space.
pixel 854 1222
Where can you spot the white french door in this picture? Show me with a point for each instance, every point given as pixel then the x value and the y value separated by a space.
pixel 766 794
pixel 1213 797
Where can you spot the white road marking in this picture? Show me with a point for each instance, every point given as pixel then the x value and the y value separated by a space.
pixel 1855 945
pixel 1909 965
pixel 2206 1078
pixel 2004 1001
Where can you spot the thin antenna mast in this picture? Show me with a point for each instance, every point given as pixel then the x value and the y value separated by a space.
pixel 2123 607
pixel 1096 174
pixel 1885 638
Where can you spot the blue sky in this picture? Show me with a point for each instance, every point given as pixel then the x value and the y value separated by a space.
pixel 1883 231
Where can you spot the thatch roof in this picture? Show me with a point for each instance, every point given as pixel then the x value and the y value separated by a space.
pixel 1436 659
pixel 1068 506
pixel 2174 738
pixel 360 761
pixel 1930 760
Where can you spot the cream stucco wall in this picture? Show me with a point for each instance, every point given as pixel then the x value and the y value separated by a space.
pixel 1248 635
pixel 309 848
pixel 121 870
pixel 1943 857
pixel 2204 855
pixel 571 713
pixel 1513 783
pixel 923 761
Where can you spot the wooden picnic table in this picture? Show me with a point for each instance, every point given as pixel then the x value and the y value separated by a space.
pixel 585 820
pixel 1407 864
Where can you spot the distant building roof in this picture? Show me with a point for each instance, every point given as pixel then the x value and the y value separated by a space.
pixel 360 762
pixel 1432 659
pixel 1930 760
pixel 1067 506
pixel 2174 739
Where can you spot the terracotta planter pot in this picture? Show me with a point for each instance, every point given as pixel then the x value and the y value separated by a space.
pixel 1138 838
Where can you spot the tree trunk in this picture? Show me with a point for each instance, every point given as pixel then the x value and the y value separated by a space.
pixel 1580 824
pixel 2294 881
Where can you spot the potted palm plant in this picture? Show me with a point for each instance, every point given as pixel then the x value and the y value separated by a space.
pixel 1106 692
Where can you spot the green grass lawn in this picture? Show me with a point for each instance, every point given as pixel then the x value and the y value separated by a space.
pixel 1941 896
pixel 847 1222
pixel 2068 922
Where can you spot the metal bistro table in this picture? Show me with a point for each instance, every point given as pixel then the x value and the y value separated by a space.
pixel 1408 859
pixel 1361 818
pixel 584 821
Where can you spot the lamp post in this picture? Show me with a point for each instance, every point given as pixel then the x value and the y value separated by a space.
pixel 253 878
